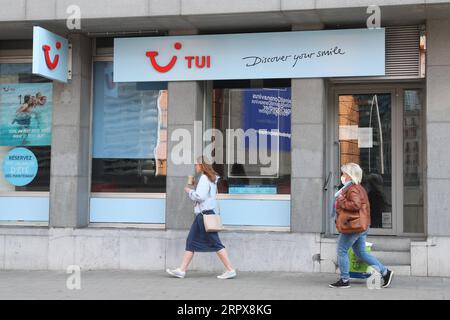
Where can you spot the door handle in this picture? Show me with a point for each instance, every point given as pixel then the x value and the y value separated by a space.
pixel 327 181
pixel 338 176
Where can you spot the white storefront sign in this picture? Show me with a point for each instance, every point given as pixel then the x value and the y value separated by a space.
pixel 300 54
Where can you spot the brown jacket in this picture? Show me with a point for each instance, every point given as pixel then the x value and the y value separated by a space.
pixel 353 210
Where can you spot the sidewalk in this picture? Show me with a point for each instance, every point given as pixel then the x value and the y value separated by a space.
pixel 201 285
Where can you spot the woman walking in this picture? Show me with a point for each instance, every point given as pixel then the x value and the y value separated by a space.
pixel 352 221
pixel 198 240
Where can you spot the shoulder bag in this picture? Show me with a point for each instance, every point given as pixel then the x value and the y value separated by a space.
pixel 213 222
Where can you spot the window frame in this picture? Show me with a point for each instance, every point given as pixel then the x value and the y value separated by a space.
pixel 21 60
pixel 254 84
pixel 120 195
pixel 396 89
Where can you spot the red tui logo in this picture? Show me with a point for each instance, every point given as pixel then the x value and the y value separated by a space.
pixel 163 69
pixel 200 61
pixel 51 64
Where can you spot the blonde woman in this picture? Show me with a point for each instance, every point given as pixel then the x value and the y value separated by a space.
pixel 352 221
pixel 198 240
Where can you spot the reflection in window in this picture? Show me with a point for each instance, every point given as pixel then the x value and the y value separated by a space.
pixel 264 116
pixel 413 220
pixel 365 139
pixel 129 134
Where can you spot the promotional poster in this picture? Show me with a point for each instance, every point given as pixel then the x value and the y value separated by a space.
pixel 25 114
pixel 267 110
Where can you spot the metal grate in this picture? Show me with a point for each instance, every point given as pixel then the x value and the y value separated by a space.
pixel 403 51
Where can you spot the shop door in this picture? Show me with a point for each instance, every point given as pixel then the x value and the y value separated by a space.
pixel 382 130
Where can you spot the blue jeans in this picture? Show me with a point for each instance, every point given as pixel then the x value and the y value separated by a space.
pixel 358 242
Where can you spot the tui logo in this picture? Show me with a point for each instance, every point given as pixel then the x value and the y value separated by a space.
pixel 51 64
pixel 198 62
pixel 163 69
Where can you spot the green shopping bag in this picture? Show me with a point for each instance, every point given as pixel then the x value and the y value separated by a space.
pixel 359 269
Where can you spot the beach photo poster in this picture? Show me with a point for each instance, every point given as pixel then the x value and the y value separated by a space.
pixel 25 114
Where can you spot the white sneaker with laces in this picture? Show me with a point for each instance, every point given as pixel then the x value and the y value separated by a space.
pixel 177 273
pixel 227 275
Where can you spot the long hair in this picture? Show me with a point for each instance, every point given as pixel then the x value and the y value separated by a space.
pixel 207 168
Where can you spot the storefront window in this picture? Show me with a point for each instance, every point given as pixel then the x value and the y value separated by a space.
pixel 413 221
pixel 25 129
pixel 129 134
pixel 255 122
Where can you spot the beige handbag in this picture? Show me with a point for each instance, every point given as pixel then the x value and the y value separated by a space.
pixel 213 222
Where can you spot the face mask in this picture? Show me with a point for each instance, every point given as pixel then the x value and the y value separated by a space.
pixel 342 179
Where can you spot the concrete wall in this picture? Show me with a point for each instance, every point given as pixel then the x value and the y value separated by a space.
pixel 24 248
pixel 438 128
pixel 69 173
pixel 128 249
pixel 185 107
pixel 308 143
pixel 430 257
pixel 56 9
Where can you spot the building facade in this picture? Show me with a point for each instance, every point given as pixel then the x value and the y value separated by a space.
pixel 106 188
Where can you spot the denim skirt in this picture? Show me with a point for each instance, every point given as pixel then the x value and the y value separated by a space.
pixel 199 240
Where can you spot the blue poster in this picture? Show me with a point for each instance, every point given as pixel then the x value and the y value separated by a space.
pixel 269 109
pixel 26 114
pixel 20 167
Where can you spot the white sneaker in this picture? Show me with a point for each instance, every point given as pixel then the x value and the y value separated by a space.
pixel 227 275
pixel 176 273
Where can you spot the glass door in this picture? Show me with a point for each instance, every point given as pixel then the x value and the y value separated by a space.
pixel 364 136
pixel 381 128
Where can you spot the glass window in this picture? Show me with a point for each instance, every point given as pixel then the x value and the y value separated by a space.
pixel 129 134
pixel 25 129
pixel 365 138
pixel 255 123
pixel 413 221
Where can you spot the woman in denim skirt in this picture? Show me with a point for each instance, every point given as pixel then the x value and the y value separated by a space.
pixel 198 240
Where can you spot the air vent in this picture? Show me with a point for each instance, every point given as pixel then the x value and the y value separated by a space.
pixel 403 52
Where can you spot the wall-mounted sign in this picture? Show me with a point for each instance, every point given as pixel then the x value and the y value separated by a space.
pixel 299 54
pixel 26 114
pixel 50 55
pixel 20 167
